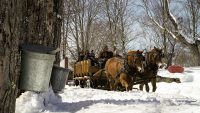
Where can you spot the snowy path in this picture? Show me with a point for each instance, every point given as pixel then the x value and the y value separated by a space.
pixel 168 98
pixel 79 100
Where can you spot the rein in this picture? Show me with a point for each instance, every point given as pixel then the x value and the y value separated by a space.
pixel 141 80
pixel 126 69
pixel 148 64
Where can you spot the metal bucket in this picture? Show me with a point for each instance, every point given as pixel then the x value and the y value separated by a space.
pixel 59 78
pixel 36 66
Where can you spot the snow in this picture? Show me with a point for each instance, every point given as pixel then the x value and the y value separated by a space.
pixel 169 98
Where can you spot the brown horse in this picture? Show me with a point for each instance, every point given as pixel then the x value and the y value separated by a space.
pixel 135 59
pixel 117 72
pixel 153 61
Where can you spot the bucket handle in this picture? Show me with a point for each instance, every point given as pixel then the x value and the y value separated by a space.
pixel 54 51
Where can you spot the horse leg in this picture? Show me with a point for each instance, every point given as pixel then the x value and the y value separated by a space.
pixel 111 81
pixel 153 82
pixel 124 81
pixel 107 83
pixel 112 85
pixel 130 84
pixel 141 86
pixel 130 87
pixel 147 87
pixel 125 84
pixel 127 88
pixel 116 84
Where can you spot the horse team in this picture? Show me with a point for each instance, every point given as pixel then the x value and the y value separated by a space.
pixel 136 67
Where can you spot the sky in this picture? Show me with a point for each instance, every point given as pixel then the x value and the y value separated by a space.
pixel 169 98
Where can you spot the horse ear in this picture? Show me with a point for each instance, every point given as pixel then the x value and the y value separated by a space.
pixel 154 47
pixel 162 49
pixel 139 52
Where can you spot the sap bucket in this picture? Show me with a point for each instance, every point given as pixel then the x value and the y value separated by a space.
pixel 59 78
pixel 36 66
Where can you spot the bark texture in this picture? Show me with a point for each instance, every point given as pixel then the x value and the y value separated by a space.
pixel 9 56
pixel 23 21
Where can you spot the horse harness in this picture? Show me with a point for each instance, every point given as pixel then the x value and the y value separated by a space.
pixel 128 70
pixel 150 68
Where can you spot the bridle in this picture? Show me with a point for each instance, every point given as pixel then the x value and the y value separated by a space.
pixel 151 57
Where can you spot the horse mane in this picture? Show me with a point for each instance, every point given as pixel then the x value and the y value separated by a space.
pixel 132 53
pixel 126 66
pixel 129 58
pixel 148 59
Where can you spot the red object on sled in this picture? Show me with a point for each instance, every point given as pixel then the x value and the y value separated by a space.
pixel 175 69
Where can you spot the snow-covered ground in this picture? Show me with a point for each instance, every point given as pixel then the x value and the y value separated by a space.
pixel 181 97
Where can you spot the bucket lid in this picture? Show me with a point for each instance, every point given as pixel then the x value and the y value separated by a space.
pixel 37 48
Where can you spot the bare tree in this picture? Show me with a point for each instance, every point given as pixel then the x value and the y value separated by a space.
pixel 178 34
pixel 115 12
pixel 82 15
pixel 160 38
pixel 191 21
pixel 175 30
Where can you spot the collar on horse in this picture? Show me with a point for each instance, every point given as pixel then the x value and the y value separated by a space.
pixel 128 69
pixel 149 65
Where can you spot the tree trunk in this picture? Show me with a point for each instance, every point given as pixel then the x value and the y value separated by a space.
pixel 170 56
pixel 58 20
pixel 10 16
pixel 21 21
pixel 192 46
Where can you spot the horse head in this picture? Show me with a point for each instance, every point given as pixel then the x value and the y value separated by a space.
pixel 135 60
pixel 155 57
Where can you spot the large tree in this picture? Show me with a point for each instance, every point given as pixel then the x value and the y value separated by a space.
pixel 178 34
pixel 24 21
pixel 183 28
